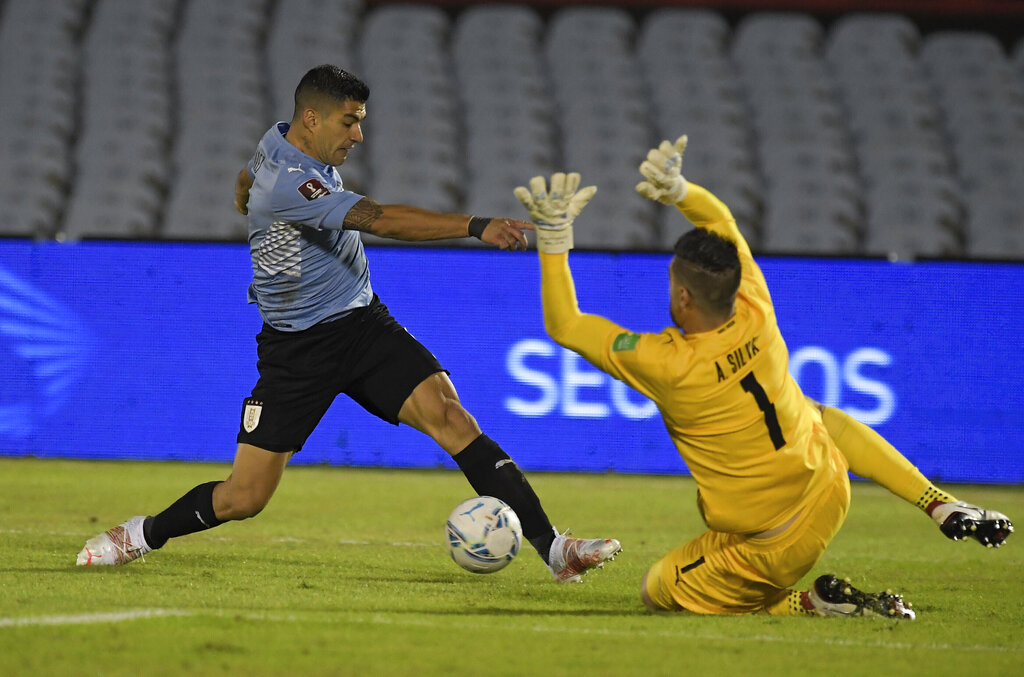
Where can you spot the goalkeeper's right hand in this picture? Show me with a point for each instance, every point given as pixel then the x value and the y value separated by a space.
pixel 662 169
pixel 554 211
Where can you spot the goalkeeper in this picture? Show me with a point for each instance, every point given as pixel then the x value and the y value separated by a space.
pixel 770 465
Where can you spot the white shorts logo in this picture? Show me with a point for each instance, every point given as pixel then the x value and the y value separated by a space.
pixel 251 415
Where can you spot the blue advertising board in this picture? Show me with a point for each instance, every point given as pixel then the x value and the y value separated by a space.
pixel 146 351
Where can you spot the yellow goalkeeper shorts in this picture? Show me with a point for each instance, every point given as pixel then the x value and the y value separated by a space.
pixel 719 573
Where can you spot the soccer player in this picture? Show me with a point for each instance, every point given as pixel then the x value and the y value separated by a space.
pixel 326 332
pixel 770 465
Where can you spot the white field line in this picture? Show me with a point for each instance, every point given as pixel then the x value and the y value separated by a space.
pixel 41 532
pixel 88 619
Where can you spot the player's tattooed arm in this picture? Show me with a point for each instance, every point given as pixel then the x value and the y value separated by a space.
pixel 362 215
pixel 414 224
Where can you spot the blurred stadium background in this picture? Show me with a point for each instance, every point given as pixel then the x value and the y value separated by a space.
pixel 837 130
pixel 891 129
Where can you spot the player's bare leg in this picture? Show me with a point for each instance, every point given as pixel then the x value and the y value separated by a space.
pixel 254 477
pixel 434 408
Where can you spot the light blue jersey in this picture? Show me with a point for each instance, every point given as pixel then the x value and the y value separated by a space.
pixel 306 268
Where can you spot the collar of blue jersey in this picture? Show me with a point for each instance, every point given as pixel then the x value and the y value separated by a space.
pixel 283 128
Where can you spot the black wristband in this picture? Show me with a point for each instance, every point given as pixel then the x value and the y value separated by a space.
pixel 477 225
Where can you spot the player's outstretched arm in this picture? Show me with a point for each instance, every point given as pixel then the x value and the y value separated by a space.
pixel 414 224
pixel 664 182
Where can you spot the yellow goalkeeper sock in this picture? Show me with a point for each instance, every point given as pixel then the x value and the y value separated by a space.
pixel 794 603
pixel 872 457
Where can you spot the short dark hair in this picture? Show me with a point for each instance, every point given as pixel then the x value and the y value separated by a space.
pixel 327 82
pixel 708 266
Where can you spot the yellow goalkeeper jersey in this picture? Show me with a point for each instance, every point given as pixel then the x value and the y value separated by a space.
pixel 756 448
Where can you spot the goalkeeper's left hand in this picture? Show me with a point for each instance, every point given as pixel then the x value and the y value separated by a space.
pixel 663 171
pixel 554 210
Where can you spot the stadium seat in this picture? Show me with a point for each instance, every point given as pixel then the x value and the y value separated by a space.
pixel 784 236
pixel 40 83
pixel 885 160
pixel 910 218
pixel 412 154
pixel 125 125
pixel 603 112
pixel 694 89
pixel 803 144
pixel 982 104
pixel 496 58
pixel 995 226
pixel 861 36
pixel 303 34
pixel 671 31
pixel 777 36
pixel 222 113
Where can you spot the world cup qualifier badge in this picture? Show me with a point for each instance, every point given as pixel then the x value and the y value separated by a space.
pixel 251 414
pixel 313 189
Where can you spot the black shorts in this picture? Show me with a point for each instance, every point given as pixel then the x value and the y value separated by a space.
pixel 366 355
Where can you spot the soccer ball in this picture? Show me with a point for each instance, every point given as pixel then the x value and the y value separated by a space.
pixel 483 534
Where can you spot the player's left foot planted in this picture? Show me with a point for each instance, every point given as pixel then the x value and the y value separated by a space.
pixel 571 558
pixel 962 520
pixel 119 545
pixel 831 596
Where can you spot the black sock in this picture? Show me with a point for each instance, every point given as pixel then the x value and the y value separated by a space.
pixel 491 472
pixel 191 513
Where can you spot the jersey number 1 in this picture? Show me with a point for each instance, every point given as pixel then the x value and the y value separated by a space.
pixel 750 385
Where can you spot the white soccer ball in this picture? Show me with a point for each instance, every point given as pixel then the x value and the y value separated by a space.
pixel 483 534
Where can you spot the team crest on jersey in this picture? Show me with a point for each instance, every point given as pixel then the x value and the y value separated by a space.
pixel 626 341
pixel 312 189
pixel 251 414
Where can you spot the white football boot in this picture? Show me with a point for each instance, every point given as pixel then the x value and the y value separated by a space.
pixel 962 520
pixel 571 558
pixel 119 545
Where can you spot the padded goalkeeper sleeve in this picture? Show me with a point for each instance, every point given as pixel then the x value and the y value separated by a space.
pixel 581 333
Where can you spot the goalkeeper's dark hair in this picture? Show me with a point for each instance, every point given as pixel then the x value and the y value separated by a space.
pixel 328 84
pixel 708 266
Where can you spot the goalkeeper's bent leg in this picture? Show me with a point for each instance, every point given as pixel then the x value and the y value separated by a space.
pixel 872 457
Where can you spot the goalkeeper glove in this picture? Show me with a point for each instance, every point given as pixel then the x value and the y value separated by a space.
pixel 553 211
pixel 662 170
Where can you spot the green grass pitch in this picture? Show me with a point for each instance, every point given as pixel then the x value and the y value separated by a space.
pixel 345 573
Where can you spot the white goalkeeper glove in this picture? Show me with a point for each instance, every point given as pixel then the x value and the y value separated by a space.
pixel 554 211
pixel 662 169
